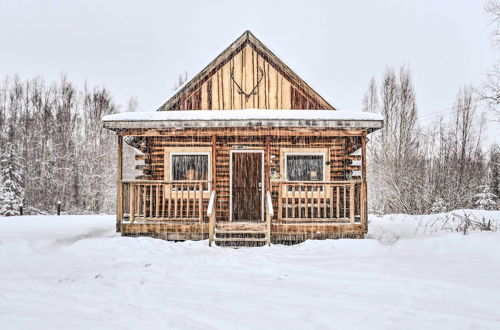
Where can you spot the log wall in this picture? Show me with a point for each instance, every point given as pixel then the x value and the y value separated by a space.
pixel 339 150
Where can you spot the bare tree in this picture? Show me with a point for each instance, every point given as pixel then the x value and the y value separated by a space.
pixel 393 153
pixel 490 91
pixel 132 104
pixel 492 8
pixel 420 170
pixel 370 100
pixel 181 80
pixel 65 152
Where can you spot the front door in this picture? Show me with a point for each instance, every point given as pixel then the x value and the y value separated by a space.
pixel 246 186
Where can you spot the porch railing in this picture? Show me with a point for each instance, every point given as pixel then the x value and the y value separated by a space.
pixel 187 201
pixel 308 201
pixel 152 200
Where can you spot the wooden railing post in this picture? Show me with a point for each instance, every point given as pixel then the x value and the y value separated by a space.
pixel 269 215
pixel 132 202
pixel 157 201
pixel 345 202
pixel 338 202
pixel 211 213
pixel 119 187
pixel 200 202
pixel 351 202
pixel 363 200
pixel 280 203
pixel 213 183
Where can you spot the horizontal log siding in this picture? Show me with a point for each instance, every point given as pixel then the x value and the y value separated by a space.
pixel 153 159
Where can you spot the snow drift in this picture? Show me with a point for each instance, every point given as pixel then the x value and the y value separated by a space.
pixel 74 272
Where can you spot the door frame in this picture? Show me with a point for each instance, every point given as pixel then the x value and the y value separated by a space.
pixel 231 152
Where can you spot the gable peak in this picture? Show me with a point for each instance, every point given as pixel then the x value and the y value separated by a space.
pixel 248 82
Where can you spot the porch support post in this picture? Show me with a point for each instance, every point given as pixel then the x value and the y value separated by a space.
pixel 267 183
pixel 267 167
pixel 364 194
pixel 119 188
pixel 214 173
pixel 214 162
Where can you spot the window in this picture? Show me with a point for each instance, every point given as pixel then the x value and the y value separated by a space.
pixel 189 167
pixel 188 164
pixel 305 167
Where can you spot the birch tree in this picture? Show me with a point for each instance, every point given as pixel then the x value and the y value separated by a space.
pixel 66 154
pixel 490 91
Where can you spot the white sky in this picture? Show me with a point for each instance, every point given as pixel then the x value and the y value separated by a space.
pixel 138 48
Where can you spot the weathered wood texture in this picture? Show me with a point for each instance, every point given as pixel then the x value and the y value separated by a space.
pixel 157 200
pixel 119 178
pixel 247 75
pixel 334 201
pixel 248 78
pixel 279 232
pixel 338 155
pixel 364 191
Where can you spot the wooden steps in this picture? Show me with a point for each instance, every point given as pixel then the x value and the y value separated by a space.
pixel 239 231
pixel 238 234
pixel 240 239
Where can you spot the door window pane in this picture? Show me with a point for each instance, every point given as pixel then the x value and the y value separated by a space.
pixel 304 167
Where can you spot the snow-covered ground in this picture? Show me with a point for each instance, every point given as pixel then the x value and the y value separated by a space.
pixel 74 272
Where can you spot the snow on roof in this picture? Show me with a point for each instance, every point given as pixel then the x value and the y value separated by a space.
pixel 243 118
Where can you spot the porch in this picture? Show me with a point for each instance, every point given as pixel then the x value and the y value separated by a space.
pixel 244 174
pixel 292 211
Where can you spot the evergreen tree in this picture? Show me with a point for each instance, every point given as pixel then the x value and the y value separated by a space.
pixel 485 200
pixel 11 182
pixel 439 206
pixel 494 170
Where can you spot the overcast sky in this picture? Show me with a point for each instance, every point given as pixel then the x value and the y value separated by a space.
pixel 138 48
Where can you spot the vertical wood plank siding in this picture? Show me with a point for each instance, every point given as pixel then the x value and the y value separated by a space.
pixel 246 70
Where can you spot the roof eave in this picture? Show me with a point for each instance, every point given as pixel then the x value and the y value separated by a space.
pixel 246 123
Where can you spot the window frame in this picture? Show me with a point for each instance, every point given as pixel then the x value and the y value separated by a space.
pixel 305 151
pixel 322 154
pixel 173 151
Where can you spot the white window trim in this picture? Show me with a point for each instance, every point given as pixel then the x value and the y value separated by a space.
pixel 322 154
pixel 186 151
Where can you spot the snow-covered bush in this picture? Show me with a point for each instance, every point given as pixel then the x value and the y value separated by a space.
pixel 470 222
pixel 439 206
pixel 391 227
pixel 485 200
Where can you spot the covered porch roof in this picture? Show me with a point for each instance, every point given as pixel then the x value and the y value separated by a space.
pixel 244 118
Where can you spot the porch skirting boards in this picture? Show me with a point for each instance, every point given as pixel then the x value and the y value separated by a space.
pixel 280 233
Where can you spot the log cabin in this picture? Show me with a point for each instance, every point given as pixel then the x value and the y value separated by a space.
pixel 245 153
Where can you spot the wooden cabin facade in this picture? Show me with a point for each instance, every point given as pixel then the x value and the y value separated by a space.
pixel 245 152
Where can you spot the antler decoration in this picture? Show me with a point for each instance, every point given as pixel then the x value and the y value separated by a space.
pixel 254 89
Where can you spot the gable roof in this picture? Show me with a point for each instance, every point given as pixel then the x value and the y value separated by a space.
pixel 247 38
